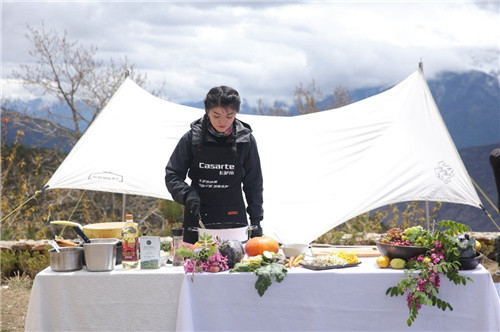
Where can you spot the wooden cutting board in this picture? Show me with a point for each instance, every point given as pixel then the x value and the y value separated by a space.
pixel 360 251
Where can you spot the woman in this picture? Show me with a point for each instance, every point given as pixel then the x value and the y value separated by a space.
pixel 220 154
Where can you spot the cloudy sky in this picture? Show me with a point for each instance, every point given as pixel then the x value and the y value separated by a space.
pixel 265 49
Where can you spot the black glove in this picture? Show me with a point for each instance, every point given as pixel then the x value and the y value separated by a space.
pixel 193 202
pixel 256 232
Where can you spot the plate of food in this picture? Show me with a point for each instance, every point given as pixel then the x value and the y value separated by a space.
pixel 327 267
pixel 337 260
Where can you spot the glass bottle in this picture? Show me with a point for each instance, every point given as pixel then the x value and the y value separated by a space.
pixel 130 240
pixel 176 244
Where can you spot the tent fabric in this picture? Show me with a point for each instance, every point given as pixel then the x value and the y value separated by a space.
pixel 320 169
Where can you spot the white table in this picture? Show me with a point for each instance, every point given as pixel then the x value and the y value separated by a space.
pixel 165 299
pixel 120 300
pixel 333 300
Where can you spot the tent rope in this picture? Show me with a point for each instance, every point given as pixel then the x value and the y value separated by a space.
pixel 22 204
pixel 71 215
pixel 489 215
pixel 76 206
pixel 485 196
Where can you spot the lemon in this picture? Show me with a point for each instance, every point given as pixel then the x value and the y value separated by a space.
pixel 478 245
pixel 398 263
pixel 383 261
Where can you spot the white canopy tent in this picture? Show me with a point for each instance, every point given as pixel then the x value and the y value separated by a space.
pixel 319 169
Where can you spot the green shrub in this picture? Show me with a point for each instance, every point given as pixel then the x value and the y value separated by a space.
pixel 19 262
pixel 33 262
pixel 9 263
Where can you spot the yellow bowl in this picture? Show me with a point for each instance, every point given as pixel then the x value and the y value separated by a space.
pixel 105 230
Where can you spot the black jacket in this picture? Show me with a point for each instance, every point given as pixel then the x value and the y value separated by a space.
pixel 248 156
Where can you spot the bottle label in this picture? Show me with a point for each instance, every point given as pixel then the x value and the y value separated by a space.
pixel 129 251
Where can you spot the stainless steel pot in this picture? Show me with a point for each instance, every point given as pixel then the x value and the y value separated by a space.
pixel 68 259
pixel 100 254
pixel 225 231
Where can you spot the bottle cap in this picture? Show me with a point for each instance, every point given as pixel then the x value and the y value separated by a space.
pixel 177 231
pixel 129 216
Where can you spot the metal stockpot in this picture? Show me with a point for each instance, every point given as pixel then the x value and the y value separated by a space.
pixel 100 254
pixel 68 259
pixel 226 231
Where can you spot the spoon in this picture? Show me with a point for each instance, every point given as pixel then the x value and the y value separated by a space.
pixel 54 245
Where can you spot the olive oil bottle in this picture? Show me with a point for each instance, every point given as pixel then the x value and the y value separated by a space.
pixel 130 240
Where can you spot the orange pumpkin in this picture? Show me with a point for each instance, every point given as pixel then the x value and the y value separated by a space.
pixel 257 245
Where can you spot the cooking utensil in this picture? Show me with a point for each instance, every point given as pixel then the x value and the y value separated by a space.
pixel 200 222
pixel 66 223
pixel 100 254
pixel 54 245
pixel 226 231
pixel 66 259
pixel 80 232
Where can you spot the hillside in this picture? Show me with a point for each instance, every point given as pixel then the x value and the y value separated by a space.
pixel 469 103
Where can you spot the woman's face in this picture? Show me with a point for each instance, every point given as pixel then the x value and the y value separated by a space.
pixel 221 118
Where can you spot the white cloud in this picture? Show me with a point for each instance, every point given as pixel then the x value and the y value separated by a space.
pixel 266 49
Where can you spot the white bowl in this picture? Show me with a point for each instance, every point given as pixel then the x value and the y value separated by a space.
pixel 294 250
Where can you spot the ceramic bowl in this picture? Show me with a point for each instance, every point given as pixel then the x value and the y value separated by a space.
pixel 471 263
pixel 294 250
pixel 403 252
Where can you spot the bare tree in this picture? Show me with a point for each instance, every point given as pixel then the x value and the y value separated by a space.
pixel 70 72
pixel 340 97
pixel 275 110
pixel 306 98
pixel 83 84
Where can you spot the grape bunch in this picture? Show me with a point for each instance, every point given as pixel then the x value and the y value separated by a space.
pixel 417 236
pixel 395 236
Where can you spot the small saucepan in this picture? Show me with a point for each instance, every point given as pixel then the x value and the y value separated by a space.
pixel 226 231
pixel 67 259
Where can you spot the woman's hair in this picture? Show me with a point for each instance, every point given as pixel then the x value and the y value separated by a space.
pixel 222 96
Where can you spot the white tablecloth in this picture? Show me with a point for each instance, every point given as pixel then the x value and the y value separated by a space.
pixel 166 299
pixel 341 300
pixel 120 300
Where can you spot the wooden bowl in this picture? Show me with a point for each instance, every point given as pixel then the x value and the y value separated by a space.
pixel 403 252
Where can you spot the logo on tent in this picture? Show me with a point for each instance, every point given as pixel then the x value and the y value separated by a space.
pixel 106 176
pixel 444 172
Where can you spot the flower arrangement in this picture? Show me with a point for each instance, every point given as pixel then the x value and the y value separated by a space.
pixel 422 279
pixel 204 256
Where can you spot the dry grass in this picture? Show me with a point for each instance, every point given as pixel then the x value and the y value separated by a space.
pixel 15 295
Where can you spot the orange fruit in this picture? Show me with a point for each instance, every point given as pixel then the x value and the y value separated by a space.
pixel 383 261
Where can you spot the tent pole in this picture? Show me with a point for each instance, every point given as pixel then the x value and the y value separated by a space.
pixel 124 206
pixel 427 214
